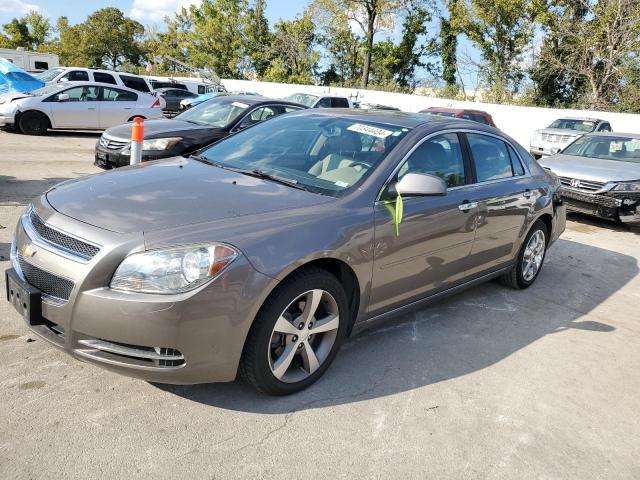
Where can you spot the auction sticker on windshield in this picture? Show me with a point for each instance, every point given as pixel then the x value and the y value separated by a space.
pixel 369 130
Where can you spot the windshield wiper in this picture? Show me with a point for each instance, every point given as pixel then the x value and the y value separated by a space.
pixel 274 178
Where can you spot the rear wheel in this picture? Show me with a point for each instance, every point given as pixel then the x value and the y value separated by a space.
pixel 33 123
pixel 297 333
pixel 530 258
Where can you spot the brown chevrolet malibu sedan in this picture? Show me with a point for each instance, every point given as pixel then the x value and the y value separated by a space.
pixel 259 255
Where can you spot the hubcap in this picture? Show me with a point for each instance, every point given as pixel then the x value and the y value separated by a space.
pixel 296 352
pixel 533 256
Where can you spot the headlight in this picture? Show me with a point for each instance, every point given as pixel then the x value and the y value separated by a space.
pixel 160 143
pixel 174 270
pixel 628 187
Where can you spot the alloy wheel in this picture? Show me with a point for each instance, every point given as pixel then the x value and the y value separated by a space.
pixel 303 336
pixel 533 255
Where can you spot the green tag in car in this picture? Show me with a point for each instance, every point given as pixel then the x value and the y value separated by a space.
pixel 397 214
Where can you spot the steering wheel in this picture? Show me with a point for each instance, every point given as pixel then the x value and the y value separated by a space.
pixel 360 163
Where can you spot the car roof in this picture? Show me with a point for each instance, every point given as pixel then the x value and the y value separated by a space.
pixel 397 118
pixel 455 110
pixel 586 119
pixel 255 100
pixel 635 136
pixel 100 84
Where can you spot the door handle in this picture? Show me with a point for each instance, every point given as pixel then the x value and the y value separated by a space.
pixel 127 108
pixel 466 206
pixel 91 108
pixel 527 194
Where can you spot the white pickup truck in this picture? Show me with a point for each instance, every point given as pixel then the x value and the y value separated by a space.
pixel 562 132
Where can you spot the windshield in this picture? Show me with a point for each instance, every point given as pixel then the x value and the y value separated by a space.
pixel 49 89
pixel 572 124
pixel 623 149
pixel 303 98
pixel 219 112
pixel 50 74
pixel 324 154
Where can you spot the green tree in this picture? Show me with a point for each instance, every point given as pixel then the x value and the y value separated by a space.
pixel 501 30
pixel 344 49
pixel 448 47
pixel 112 39
pixel 215 39
pixel 295 59
pixel 257 38
pixel 31 32
pixel 70 43
pixel 410 52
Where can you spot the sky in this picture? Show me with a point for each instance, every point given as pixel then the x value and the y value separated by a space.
pixel 147 12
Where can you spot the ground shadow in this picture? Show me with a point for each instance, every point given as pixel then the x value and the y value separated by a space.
pixel 596 222
pixel 15 191
pixel 74 133
pixel 455 337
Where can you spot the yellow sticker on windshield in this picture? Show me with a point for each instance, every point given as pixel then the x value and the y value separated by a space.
pixel 369 130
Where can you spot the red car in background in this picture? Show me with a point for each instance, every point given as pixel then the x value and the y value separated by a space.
pixel 475 115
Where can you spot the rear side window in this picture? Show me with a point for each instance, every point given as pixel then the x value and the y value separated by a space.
pixel 104 78
pixel 117 95
pixel 440 156
pixel 339 102
pixel 490 156
pixel 76 76
pixel 605 127
pixel 135 83
pixel 201 89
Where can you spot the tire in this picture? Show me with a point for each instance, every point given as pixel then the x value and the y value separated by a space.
pixel 33 123
pixel 517 277
pixel 266 346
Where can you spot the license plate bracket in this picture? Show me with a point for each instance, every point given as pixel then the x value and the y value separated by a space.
pixel 25 298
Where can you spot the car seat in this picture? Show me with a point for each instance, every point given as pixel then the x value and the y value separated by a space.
pixel 337 152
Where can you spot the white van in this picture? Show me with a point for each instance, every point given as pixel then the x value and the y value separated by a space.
pixel 79 74
pixel 30 61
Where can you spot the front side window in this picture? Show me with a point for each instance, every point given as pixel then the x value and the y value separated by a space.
pixel 490 156
pixel 80 94
pixel 440 156
pixel 117 95
pixel 324 154
pixel 75 76
pixel 324 103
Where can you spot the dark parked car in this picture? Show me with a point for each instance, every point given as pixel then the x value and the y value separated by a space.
pixel 262 253
pixel 467 114
pixel 191 130
pixel 173 96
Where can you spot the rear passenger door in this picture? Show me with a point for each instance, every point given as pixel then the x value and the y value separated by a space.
pixel 436 234
pixel 116 106
pixel 504 195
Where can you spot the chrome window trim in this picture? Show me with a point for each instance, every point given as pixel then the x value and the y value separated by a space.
pixel 36 239
pixel 527 172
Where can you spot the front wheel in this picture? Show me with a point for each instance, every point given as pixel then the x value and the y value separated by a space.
pixel 530 258
pixel 297 333
pixel 33 123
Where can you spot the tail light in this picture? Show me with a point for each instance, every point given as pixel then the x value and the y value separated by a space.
pixel 156 104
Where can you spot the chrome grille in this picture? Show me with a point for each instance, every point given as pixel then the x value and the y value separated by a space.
pixel 62 240
pixel 113 143
pixel 48 283
pixel 554 138
pixel 582 185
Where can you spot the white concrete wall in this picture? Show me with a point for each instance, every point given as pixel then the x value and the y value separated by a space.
pixel 518 122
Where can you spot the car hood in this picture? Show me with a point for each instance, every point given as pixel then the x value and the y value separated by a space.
pixel 162 128
pixel 593 169
pixel 171 193
pixel 12 96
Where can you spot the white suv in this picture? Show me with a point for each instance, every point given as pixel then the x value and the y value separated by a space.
pixel 77 74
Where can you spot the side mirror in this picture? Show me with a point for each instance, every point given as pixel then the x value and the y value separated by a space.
pixel 63 97
pixel 421 185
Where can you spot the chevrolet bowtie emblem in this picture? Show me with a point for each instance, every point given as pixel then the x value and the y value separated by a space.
pixel 28 250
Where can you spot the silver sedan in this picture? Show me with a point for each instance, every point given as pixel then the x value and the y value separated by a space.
pixel 81 105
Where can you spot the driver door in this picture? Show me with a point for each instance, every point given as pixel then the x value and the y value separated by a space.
pixel 80 110
pixel 436 234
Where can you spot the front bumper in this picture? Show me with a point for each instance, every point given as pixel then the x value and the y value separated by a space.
pixel 614 206
pixel 194 337
pixel 545 149
pixel 7 120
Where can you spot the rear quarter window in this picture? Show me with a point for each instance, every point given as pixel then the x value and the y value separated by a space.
pixel 338 102
pixel 104 78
